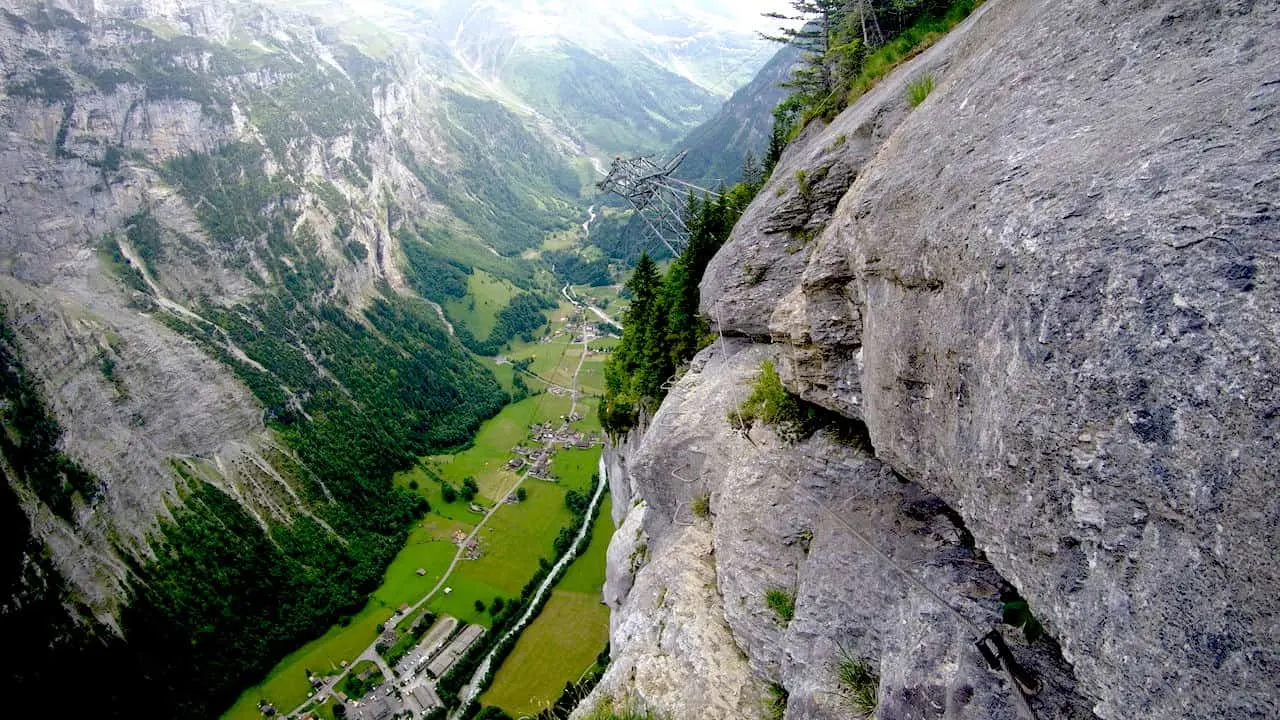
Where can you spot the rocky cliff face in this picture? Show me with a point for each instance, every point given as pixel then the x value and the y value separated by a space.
pixel 1048 293
pixel 693 634
pixel 90 136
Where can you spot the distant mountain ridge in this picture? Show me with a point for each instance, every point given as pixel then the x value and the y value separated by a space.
pixel 742 125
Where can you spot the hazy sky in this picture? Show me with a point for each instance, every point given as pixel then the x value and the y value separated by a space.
pixel 742 14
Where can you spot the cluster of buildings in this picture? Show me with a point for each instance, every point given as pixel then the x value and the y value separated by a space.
pixel 538 459
pixel 580 327
pixel 439 650
pixel 564 436
pixel 455 649
pixel 472 546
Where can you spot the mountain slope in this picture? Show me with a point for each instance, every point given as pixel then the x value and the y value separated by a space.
pixel 230 236
pixel 204 290
pixel 626 80
pixel 621 108
pixel 742 125
pixel 218 229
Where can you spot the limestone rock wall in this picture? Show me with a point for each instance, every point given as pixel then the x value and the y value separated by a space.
pixel 1049 292
pixel 693 635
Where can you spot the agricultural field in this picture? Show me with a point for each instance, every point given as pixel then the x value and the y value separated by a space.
pixel 587 408
pixel 486 295
pixel 486 459
pixel 591 377
pixel 574 468
pixel 605 297
pixel 515 539
pixel 511 543
pixel 586 574
pixel 521 534
pixel 563 641
pixel 287 685
pixel 604 344
pixel 568 239
pixel 550 358
pixel 505 374
pixel 556 648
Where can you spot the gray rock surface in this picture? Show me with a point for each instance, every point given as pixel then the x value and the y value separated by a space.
pixel 680 657
pixel 796 518
pixel 1049 291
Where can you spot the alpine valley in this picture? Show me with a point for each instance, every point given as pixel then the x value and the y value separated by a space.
pixel 241 248
pixel 332 387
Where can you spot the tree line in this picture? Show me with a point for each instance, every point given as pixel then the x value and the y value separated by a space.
pixel 846 47
pixel 662 328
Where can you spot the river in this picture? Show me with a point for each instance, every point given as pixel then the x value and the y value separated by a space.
pixel 470 692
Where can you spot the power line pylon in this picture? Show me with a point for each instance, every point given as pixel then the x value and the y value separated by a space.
pixel 657 197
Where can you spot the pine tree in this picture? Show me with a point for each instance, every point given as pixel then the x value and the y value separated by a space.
pixel 785 117
pixel 662 328
pixel 643 285
pixel 818 20
pixel 631 374
pixel 646 316
pixel 834 38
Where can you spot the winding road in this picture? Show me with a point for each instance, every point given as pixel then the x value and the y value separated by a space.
pixel 567 292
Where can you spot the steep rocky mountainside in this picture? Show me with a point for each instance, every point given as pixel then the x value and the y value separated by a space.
pixel 212 220
pixel 1042 309
pixel 167 197
pixel 693 634
pixel 226 233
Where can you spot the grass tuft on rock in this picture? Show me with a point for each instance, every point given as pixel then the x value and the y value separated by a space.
pixel 859 685
pixel 782 602
pixel 775 707
pixel 701 505
pixel 919 89
pixel 769 400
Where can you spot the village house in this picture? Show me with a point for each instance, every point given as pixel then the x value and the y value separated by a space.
pixel 424 697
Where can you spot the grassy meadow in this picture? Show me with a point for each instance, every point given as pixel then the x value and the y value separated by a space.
pixel 563 641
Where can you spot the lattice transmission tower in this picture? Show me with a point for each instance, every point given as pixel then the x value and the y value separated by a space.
pixel 657 198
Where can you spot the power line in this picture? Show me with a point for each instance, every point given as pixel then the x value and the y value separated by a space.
pixel 655 195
